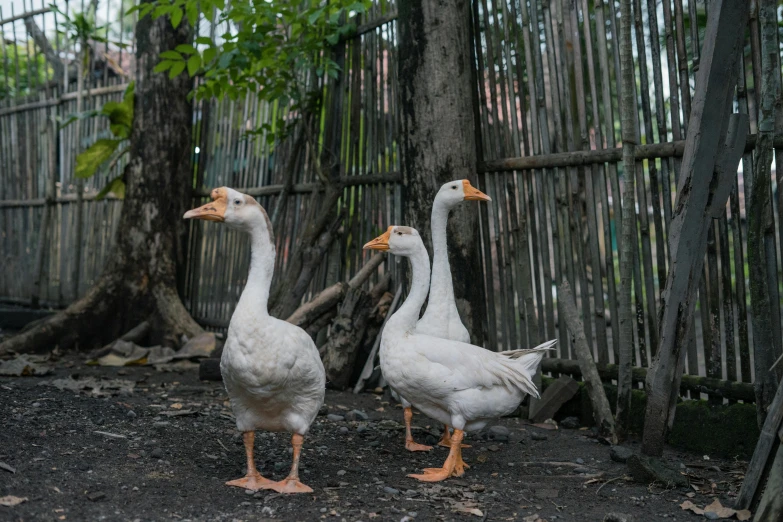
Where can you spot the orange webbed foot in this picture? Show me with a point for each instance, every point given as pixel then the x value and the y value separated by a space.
pixel 253 482
pixel 288 486
pixel 415 446
pixel 432 475
pixel 445 440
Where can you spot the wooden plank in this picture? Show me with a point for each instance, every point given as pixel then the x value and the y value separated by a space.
pixel 768 439
pixel 712 154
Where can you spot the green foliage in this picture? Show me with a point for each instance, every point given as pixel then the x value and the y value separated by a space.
pixel 120 115
pixel 275 49
pixel 33 70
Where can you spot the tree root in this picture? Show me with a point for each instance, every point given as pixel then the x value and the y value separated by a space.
pixel 65 328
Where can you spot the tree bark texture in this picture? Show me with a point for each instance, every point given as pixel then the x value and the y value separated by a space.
pixel 139 280
pixel 713 148
pixel 438 136
pixel 628 228
pixel 759 214
pixel 345 338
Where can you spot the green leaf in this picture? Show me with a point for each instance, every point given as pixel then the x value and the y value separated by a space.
pixel 176 69
pixel 315 15
pixel 194 62
pixel 115 186
pixel 176 17
pixel 87 162
pixel 333 38
pixel 162 66
pixel 185 49
pixel 203 40
pixel 171 55
pixel 209 55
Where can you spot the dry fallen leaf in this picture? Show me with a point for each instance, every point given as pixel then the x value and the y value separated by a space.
pixel 688 505
pixel 176 406
pixel 470 510
pixel 717 508
pixel 482 457
pixel 11 501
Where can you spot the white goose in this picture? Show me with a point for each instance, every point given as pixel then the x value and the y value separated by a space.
pixel 271 368
pixel 455 383
pixel 441 318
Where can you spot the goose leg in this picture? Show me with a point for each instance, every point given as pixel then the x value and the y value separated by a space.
pixel 410 445
pixel 453 467
pixel 253 480
pixel 445 439
pixel 291 483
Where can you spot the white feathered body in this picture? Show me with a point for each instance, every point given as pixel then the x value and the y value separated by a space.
pixel 273 374
pixel 458 384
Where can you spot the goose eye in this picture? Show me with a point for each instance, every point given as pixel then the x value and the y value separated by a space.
pixel 454 187
pixel 237 202
pixel 399 233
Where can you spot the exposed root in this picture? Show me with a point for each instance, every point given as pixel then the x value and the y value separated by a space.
pixel 67 327
pixel 172 320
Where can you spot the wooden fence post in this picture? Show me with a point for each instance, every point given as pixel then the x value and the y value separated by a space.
pixel 713 147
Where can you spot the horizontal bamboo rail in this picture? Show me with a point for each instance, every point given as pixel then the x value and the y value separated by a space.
pixel 111 89
pixel 305 188
pixel 39 202
pixel 671 149
pixel 22 16
pixel 727 389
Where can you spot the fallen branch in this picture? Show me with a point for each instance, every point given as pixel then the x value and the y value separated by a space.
pixel 595 389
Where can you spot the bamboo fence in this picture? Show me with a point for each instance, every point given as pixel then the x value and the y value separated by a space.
pixel 547 97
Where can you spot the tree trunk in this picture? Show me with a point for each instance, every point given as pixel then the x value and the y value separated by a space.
pixel 759 213
pixel 628 228
pixel 139 281
pixel 438 136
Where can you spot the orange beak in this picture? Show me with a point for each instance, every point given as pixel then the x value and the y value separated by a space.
pixel 213 211
pixel 381 242
pixel 472 193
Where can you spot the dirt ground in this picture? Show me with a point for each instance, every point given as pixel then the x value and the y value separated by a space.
pixel 163 450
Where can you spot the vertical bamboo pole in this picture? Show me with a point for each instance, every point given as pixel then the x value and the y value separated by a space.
pixel 760 197
pixel 628 117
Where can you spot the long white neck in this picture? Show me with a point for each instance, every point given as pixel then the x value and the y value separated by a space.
pixel 404 320
pixel 255 296
pixel 442 286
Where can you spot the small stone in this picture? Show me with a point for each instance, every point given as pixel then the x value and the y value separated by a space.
pixel 267 511
pixel 580 461
pixel 335 418
pixel 131 414
pixel 96 496
pixel 323 411
pixel 411 492
pixel 412 514
pixel 391 491
pixel 710 515
pixel 493 448
pixel 538 436
pixel 323 510
pixel 499 433
pixel 355 415
pixel 341 472
pixel 36 405
pixel 279 466
pixel 249 492
pixel 374 443
pixel 618 517
pixel 343 429
pixel 570 423
pixel 161 424
pixel 582 469
pixel 157 453
pixel 620 454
